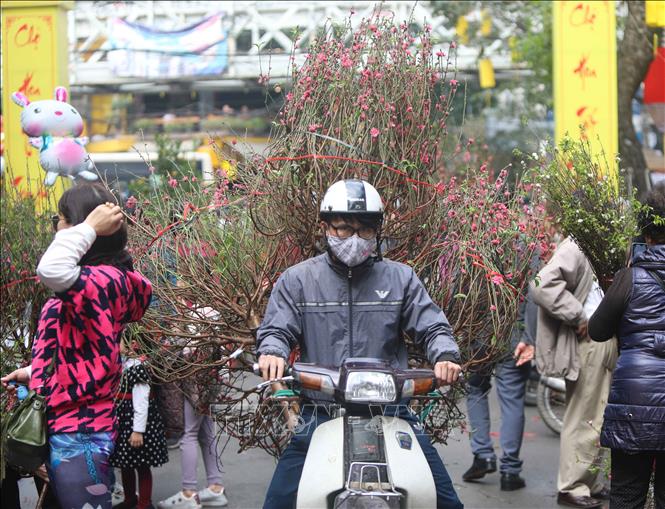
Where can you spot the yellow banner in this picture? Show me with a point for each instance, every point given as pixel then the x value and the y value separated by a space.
pixel 585 73
pixel 35 61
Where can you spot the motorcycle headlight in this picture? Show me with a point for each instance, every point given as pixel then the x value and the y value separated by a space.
pixel 370 387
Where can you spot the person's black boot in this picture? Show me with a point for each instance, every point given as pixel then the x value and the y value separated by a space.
pixel 480 467
pixel 511 482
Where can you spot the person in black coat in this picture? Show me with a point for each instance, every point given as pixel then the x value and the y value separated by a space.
pixel 633 310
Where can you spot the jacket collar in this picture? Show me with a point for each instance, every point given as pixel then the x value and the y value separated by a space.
pixel 343 270
pixel 653 257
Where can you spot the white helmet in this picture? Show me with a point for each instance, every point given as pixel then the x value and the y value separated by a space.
pixel 351 197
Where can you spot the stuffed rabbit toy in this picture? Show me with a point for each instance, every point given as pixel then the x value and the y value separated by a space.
pixel 53 126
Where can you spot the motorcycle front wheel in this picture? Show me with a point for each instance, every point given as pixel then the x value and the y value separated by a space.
pixel 551 407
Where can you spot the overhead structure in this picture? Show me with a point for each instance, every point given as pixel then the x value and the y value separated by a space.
pixel 258 36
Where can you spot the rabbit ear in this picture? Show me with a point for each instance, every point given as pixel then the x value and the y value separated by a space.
pixel 61 94
pixel 20 99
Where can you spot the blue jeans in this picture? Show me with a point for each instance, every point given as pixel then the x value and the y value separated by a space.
pixel 511 388
pixel 284 485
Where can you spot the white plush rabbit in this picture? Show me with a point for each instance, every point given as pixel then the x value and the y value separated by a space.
pixel 53 126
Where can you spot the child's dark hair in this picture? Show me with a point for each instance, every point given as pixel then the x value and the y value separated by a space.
pixel 75 205
pixel 652 220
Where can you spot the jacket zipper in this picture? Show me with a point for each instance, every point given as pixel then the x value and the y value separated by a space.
pixel 350 315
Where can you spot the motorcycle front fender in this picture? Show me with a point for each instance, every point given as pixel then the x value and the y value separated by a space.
pixel 408 465
pixel 323 472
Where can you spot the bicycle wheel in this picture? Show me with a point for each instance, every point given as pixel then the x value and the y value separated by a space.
pixel 551 407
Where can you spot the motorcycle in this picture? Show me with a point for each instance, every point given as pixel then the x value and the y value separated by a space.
pixel 357 460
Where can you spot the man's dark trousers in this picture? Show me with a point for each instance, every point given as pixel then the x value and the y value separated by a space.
pixel 284 485
pixel 511 389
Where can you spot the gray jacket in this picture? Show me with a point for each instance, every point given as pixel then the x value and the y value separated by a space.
pixel 334 312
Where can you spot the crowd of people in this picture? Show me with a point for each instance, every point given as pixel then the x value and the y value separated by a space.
pixel 103 413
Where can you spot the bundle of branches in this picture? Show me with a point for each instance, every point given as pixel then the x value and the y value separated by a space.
pixel 591 202
pixel 485 256
pixel 371 104
pixel 211 271
pixel 25 232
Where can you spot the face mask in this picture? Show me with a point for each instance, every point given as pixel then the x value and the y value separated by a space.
pixel 352 251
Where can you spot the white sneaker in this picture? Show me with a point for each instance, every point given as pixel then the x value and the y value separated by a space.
pixel 180 501
pixel 210 498
pixel 117 495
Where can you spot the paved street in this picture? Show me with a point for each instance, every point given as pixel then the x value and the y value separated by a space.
pixel 247 475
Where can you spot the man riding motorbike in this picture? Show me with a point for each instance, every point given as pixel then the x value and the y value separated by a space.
pixel 349 302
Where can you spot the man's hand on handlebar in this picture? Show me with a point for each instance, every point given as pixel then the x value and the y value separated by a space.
pixel 447 372
pixel 271 366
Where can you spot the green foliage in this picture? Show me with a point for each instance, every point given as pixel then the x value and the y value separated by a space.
pixel 147 125
pixel 590 203
pixel 237 125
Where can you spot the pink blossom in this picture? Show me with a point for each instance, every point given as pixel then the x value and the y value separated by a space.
pixel 497 279
pixel 453 44
pixel 173 182
pixel 467 156
pixel 454 83
pixel 374 133
pixel 151 169
pixel 346 61
pixel 131 202
pixel 492 307
pixel 440 54
pixel 312 127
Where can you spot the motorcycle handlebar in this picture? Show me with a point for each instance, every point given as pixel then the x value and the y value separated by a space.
pixel 433 384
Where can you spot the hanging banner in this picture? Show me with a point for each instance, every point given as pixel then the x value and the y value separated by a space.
pixel 585 73
pixel 142 52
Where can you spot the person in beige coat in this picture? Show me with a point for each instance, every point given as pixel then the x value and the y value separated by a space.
pixel 567 294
